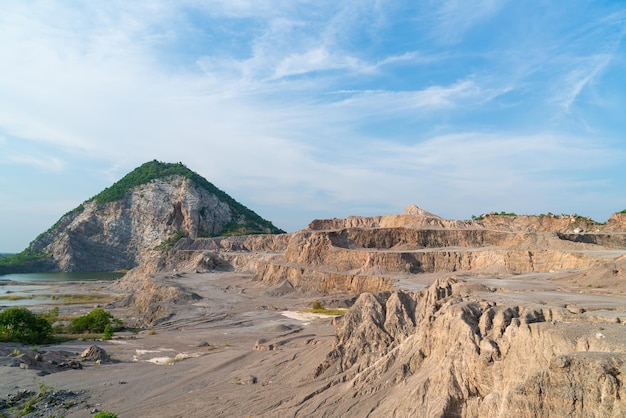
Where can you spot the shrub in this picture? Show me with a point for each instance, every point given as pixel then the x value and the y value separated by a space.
pixel 105 414
pixel 318 308
pixel 21 325
pixel 95 321
pixel 108 332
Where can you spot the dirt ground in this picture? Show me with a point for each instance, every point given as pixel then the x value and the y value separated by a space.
pixel 239 342
pixel 242 350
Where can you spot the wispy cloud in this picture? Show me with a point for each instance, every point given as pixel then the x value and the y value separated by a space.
pixel 585 71
pixel 44 163
pixel 455 17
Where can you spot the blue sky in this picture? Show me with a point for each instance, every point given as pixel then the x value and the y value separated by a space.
pixel 312 109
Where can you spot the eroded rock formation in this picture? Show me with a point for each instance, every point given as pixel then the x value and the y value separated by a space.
pixel 453 350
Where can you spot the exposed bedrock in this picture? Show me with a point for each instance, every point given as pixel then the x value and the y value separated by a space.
pixel 449 351
pixel 370 257
pixel 310 280
pixel 602 239
pixel 375 256
pixel 247 243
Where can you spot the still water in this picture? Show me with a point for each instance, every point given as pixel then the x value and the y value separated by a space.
pixel 13 293
pixel 61 277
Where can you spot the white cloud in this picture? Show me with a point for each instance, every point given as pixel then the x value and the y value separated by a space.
pixel 380 103
pixel 455 17
pixel 578 78
pixel 43 163
pixel 317 59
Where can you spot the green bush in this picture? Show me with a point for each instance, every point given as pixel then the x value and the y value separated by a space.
pixel 105 414
pixel 108 332
pixel 21 325
pixel 95 321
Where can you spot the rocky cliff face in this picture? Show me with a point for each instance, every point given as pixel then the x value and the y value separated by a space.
pixel 454 350
pixel 117 234
pixel 370 253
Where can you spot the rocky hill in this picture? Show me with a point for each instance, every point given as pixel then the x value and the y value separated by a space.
pixel 150 208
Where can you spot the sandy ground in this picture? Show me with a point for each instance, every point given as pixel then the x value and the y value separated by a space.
pixel 242 350
pixel 236 343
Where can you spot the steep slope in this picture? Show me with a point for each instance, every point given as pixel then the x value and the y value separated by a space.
pixel 459 350
pixel 152 206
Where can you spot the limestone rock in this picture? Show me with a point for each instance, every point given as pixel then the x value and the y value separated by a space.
pixel 95 353
pixel 617 222
pixel 120 232
pixel 436 353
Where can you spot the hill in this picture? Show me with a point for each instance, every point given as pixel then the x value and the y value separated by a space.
pixel 148 209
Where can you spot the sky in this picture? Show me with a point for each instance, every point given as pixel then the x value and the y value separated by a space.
pixel 307 109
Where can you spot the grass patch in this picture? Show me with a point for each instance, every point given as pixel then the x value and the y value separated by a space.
pixel 16 297
pixel 29 406
pixel 326 311
pixel 318 308
pixel 105 414
pixel 70 299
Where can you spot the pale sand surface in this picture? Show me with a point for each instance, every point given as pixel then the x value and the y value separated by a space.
pixel 200 362
pixel 203 361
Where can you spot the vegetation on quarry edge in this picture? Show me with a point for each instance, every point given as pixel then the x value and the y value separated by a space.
pixel 549 214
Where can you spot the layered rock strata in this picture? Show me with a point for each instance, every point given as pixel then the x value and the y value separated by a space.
pixel 369 254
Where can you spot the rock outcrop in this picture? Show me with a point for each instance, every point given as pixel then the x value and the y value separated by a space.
pixel 150 207
pixel 359 254
pixel 452 350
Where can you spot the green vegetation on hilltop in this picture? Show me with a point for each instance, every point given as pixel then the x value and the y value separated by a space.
pixel 143 174
pixel 577 217
pixel 152 170
pixel 484 215
pixel 624 211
